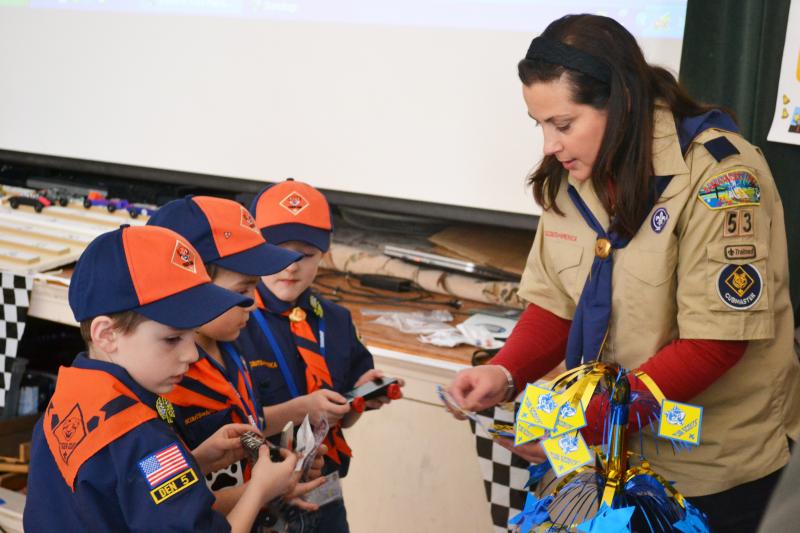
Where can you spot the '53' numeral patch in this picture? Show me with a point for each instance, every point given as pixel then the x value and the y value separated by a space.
pixel 739 223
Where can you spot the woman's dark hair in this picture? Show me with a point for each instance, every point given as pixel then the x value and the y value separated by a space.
pixel 625 157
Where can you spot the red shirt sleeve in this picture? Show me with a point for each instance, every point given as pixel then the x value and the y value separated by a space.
pixel 535 347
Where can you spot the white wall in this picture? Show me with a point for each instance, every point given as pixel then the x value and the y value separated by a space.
pixel 406 111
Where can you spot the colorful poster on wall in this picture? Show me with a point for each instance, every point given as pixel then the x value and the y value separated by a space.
pixel 786 123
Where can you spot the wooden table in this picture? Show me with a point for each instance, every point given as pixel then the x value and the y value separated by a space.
pixel 380 336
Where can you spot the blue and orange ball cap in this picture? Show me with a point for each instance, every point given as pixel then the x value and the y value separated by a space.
pixel 225 234
pixel 152 271
pixel 293 211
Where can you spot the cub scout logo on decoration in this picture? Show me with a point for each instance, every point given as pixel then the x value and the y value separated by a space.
pixel 167 473
pixel 675 416
pixel 733 188
pixel 538 407
pixel 247 220
pixel 70 432
pixel 680 422
pixel 567 453
pixel 546 403
pixel 183 257
pixel 570 418
pixel 739 286
pixel 294 203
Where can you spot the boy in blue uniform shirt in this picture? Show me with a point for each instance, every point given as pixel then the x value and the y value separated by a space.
pixel 217 389
pixel 303 350
pixel 101 459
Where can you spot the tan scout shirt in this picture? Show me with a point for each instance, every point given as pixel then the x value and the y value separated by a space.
pixel 665 287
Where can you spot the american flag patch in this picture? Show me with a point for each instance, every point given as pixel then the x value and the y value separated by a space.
pixel 163 464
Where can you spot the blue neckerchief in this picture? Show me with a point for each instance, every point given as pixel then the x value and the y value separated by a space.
pixel 593 313
pixel 277 306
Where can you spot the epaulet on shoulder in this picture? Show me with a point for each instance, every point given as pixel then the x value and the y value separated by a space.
pixel 720 148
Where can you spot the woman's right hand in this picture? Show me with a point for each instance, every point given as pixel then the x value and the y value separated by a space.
pixel 328 403
pixel 478 388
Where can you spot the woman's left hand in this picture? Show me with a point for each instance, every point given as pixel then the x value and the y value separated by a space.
pixel 531 452
pixel 223 448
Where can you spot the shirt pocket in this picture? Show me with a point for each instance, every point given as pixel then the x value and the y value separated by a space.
pixel 566 260
pixel 737 276
pixel 649 287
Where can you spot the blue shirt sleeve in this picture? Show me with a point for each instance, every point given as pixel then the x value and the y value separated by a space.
pixel 179 502
pixel 113 494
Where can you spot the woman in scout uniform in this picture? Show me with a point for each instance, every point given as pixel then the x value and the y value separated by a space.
pixel 662 248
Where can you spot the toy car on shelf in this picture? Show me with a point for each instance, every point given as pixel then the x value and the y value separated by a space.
pixel 134 210
pixel 36 200
pixel 57 196
pixel 112 204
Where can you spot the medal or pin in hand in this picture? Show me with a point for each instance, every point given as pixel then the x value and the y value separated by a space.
pixel 252 441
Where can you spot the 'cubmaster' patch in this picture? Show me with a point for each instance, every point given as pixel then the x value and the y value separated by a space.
pixel 739 286
pixel 167 473
pixel 733 188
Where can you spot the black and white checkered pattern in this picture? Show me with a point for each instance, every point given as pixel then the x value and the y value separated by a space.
pixel 16 290
pixel 504 474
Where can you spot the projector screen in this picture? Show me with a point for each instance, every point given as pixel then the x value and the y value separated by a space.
pixel 414 99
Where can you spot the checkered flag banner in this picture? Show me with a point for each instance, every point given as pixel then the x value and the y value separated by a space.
pixel 13 314
pixel 504 474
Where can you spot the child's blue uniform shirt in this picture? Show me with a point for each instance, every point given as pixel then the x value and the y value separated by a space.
pixel 346 357
pixel 111 491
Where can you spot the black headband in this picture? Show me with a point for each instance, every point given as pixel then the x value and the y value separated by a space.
pixel 558 53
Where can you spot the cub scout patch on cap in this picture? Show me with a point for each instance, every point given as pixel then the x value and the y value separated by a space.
pixel 167 473
pixel 70 432
pixel 733 188
pixel 294 202
pixel 739 286
pixel 248 221
pixel 183 257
